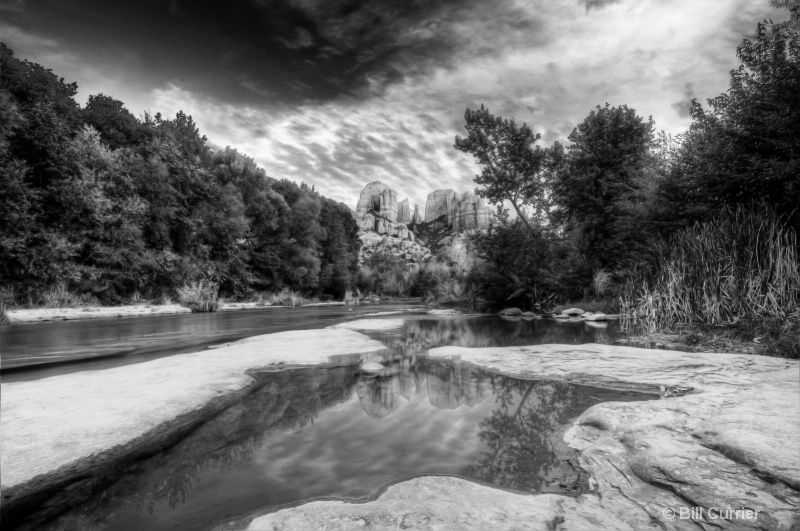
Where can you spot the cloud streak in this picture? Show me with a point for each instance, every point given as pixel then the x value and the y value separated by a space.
pixel 339 94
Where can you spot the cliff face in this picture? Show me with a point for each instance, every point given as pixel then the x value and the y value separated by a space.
pixel 469 212
pixel 404 212
pixel 379 200
pixel 389 226
pixel 439 204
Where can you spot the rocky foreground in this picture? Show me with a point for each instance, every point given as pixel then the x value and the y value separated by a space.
pixel 720 450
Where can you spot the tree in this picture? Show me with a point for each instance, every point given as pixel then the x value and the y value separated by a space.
pixel 601 172
pixel 513 169
pixel 746 147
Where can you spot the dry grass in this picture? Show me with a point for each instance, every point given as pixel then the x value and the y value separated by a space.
pixel 200 296
pixel 60 296
pixel 601 282
pixel 739 270
pixel 285 297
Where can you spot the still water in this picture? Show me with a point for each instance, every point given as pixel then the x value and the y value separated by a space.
pixel 336 433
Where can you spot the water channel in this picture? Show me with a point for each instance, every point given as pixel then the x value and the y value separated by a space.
pixel 330 433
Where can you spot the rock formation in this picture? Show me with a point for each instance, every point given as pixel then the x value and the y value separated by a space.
pixel 417 216
pixel 388 225
pixel 403 211
pixel 469 212
pixel 379 200
pixel 439 204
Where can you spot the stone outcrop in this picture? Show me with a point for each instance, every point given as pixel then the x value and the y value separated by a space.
pixel 417 218
pixel 469 212
pixel 403 212
pixel 722 443
pixel 439 204
pixel 379 200
pixel 70 427
pixel 406 249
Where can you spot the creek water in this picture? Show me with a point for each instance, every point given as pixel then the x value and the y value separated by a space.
pixel 340 434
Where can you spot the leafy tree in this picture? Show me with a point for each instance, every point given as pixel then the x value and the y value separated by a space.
pixel 117 126
pixel 746 147
pixel 513 168
pixel 602 171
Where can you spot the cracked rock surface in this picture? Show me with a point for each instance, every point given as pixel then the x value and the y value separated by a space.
pixel 725 437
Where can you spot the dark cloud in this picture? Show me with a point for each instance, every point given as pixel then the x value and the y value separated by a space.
pixel 248 51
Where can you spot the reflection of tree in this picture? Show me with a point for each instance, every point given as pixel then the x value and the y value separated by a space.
pixel 287 400
pixel 492 331
pixel 520 455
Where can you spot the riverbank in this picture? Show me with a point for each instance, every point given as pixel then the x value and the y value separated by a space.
pixel 727 416
pixel 721 448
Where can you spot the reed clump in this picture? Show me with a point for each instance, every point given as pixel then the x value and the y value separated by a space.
pixel 285 297
pixel 739 270
pixel 200 296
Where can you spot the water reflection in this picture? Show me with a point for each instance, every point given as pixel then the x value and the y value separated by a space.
pixel 335 432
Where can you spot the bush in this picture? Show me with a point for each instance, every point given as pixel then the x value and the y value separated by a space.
pixel 200 296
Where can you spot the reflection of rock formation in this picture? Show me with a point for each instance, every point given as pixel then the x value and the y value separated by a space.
pixel 450 386
pixel 469 212
pixel 403 211
pixel 379 396
pixel 439 204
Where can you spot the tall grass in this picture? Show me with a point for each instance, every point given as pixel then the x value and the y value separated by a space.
pixel 740 269
pixel 285 297
pixel 200 296
pixel 59 295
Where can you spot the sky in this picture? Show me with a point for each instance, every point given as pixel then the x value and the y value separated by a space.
pixel 340 93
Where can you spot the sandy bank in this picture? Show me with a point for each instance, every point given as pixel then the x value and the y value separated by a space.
pixel 38 315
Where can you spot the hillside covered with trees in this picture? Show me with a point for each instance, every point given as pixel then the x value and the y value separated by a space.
pixel 97 201
pixel 697 229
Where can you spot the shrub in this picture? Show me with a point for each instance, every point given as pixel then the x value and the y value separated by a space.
pixel 59 295
pixel 200 296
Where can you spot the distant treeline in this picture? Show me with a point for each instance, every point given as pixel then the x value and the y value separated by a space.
pixel 123 207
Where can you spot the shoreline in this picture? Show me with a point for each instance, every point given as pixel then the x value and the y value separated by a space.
pixel 44 315
pixel 722 415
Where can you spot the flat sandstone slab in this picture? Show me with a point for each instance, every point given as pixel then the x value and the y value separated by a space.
pixel 54 422
pixel 731 443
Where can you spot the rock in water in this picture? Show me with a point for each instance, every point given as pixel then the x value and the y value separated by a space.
pixel 597 317
pixel 469 212
pixel 573 311
pixel 403 212
pixel 372 367
pixel 439 204
pixel 511 311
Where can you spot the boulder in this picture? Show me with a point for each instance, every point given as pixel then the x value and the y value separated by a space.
pixel 530 316
pixel 511 311
pixel 573 311
pixel 439 203
pixel 596 317
pixel 372 367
